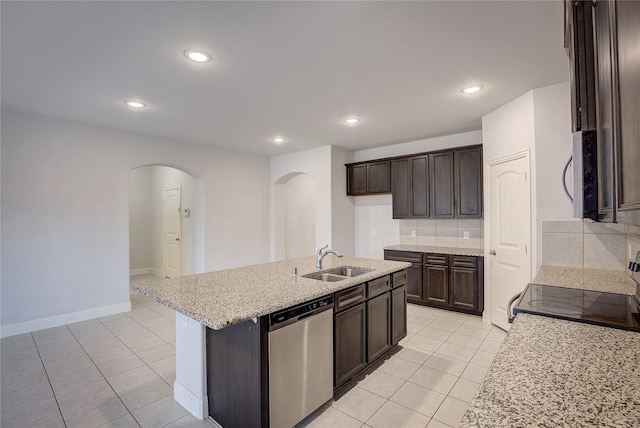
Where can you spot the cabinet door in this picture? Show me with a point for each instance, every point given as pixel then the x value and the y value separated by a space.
pixel 441 185
pixel 627 34
pixel 420 186
pixel 378 326
pixel 436 284
pixel 414 283
pixel 400 188
pixel 464 288
pixel 350 343
pixel 357 179
pixel 378 177
pixel 398 314
pixel 468 181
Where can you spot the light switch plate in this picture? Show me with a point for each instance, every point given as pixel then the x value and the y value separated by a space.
pixel 466 234
pixel 413 234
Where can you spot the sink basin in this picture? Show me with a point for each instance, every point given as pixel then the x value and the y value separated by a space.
pixel 348 271
pixel 337 274
pixel 324 276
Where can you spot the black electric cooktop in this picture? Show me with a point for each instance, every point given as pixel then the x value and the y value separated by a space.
pixel 593 307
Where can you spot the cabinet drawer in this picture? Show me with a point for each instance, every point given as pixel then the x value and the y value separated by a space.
pixel 378 286
pixel 399 278
pixel 347 298
pixel 436 259
pixel 403 256
pixel 463 261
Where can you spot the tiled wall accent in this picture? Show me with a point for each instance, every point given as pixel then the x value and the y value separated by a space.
pixel 584 244
pixel 442 233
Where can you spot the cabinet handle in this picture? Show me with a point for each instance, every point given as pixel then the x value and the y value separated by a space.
pixel 492 252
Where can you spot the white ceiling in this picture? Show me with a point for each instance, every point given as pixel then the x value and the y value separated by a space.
pixel 291 68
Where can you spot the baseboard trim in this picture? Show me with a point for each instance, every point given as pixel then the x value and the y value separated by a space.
pixel 146 271
pixel 58 320
pixel 198 407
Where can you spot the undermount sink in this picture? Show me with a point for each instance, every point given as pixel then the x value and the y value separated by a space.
pixel 337 274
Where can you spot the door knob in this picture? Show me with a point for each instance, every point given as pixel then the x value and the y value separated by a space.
pixel 177 239
pixel 492 252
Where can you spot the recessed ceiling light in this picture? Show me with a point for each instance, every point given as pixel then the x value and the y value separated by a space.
pixel 472 89
pixel 278 140
pixel 135 104
pixel 197 56
pixel 352 120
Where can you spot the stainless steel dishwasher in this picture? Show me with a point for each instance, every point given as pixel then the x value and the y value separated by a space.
pixel 300 361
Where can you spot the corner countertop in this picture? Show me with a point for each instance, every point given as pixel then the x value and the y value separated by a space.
pixel 556 373
pixel 477 252
pixel 223 298
pixel 610 281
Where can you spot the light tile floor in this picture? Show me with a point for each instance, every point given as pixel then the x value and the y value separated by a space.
pixel 118 371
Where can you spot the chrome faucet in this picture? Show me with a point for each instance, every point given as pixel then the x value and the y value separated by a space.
pixel 323 252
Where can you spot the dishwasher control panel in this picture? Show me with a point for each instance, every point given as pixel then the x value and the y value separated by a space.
pixel 300 311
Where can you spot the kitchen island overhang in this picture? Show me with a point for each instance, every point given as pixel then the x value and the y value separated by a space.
pixel 220 299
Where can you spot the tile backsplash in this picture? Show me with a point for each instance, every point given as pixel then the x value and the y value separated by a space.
pixel 442 233
pixel 588 244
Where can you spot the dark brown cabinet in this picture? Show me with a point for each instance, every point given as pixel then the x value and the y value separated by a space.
pixel 436 279
pixel 400 185
pixel 579 44
pixel 468 182
pixel 350 343
pixel 378 326
pixel 446 281
pixel 410 187
pixel 369 320
pixel 441 185
pixel 369 178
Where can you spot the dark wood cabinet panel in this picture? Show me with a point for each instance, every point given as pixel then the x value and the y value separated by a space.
pixel 464 288
pixel 357 179
pixel 398 314
pixel 436 283
pixel 468 192
pixel 626 33
pixel 400 189
pixel 350 331
pixel 445 281
pixel 419 189
pixel 579 43
pixel 378 177
pixel 441 185
pixel 378 326
pixel 369 178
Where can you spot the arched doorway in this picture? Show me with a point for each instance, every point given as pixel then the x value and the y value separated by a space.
pixel 154 192
pixel 295 216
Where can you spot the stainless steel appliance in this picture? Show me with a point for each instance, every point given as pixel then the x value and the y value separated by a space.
pixel 593 307
pixel 585 175
pixel 300 361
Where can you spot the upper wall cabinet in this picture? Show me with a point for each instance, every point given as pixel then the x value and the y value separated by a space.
pixel 442 184
pixel 367 178
pixel 579 45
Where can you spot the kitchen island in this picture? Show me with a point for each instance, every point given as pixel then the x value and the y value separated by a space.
pixel 550 373
pixel 219 301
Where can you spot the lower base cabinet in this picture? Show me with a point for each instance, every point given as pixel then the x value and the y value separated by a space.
pixel 350 352
pixel 447 281
pixel 369 320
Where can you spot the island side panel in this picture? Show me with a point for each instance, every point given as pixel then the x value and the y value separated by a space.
pixel 190 388
pixel 236 374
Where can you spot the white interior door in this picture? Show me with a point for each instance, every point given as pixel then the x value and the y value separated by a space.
pixel 172 219
pixel 510 235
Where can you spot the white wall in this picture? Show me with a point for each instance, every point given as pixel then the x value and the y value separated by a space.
pixel 65 219
pixel 140 246
pixel 342 206
pixel 299 199
pixel 318 163
pixel 374 225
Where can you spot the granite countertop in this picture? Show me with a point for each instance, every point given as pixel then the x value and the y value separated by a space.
pixel 223 298
pixel 610 281
pixel 438 250
pixel 556 373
